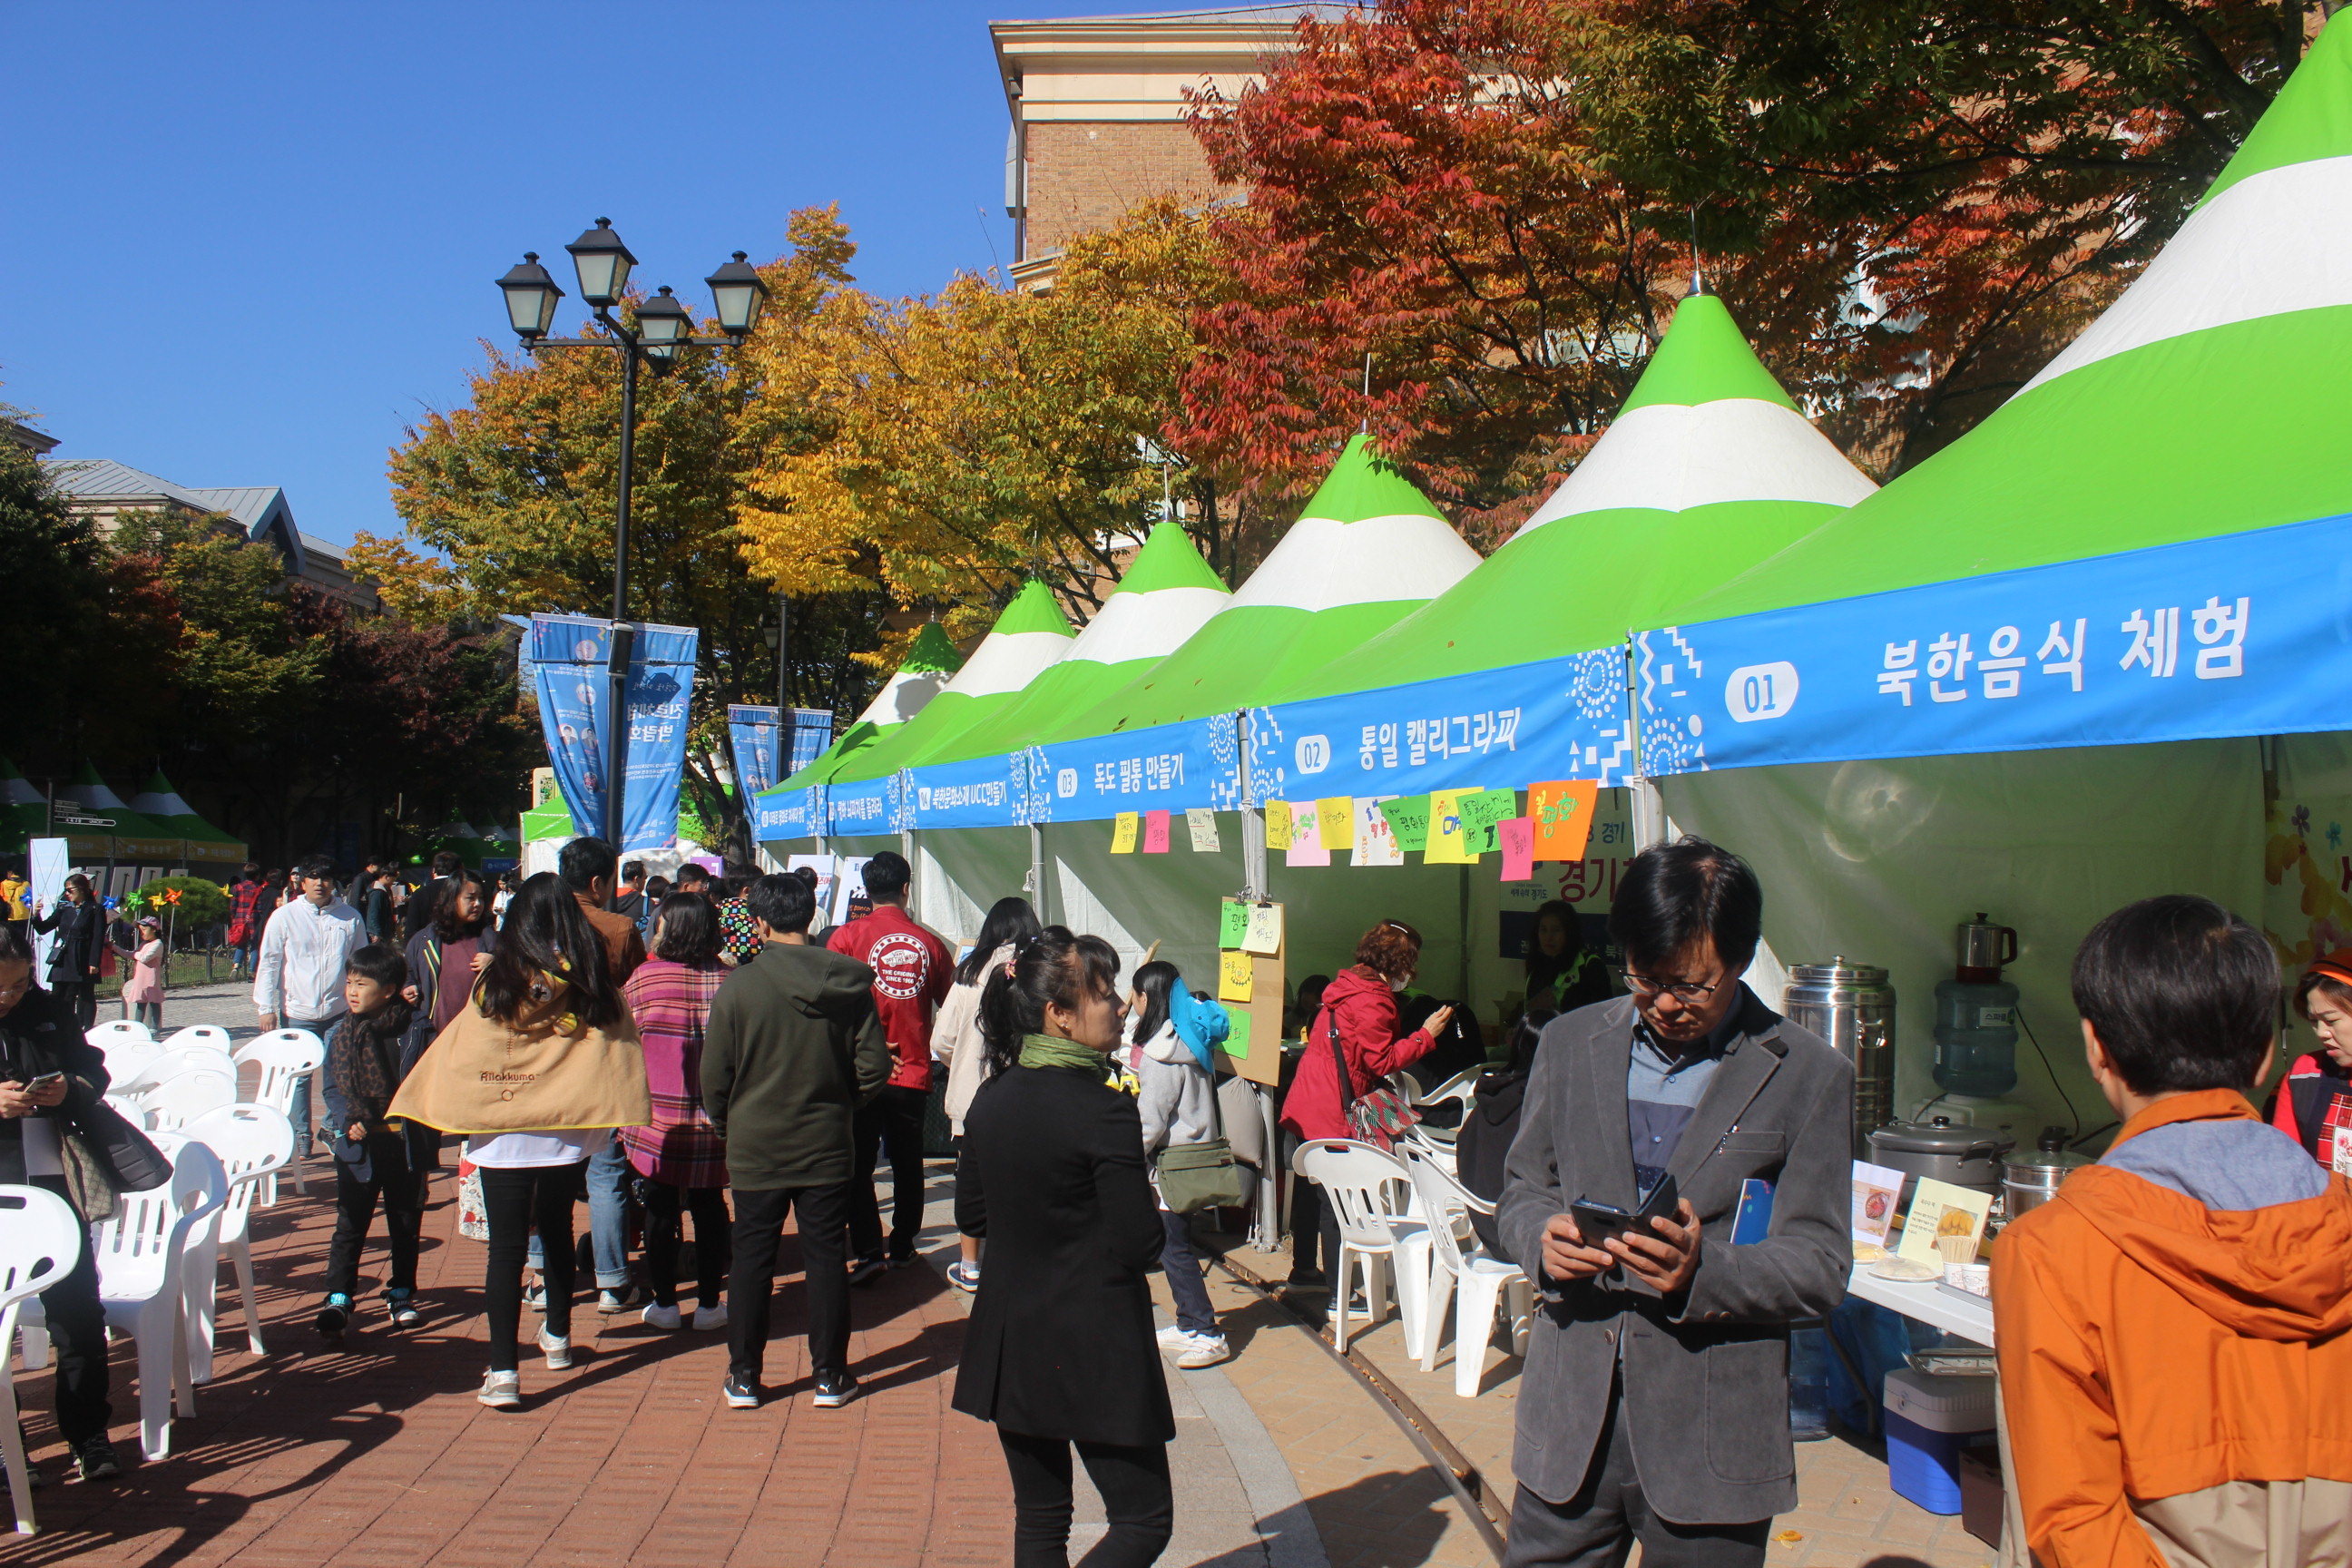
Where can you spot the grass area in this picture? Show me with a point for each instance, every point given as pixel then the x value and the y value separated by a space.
pixel 185 969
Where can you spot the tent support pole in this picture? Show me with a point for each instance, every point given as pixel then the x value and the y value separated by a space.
pixel 1252 818
pixel 915 882
pixel 1037 870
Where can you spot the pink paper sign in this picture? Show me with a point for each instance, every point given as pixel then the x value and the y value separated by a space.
pixel 1517 835
pixel 1155 833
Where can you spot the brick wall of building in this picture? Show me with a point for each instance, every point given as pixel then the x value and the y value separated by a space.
pixel 1083 177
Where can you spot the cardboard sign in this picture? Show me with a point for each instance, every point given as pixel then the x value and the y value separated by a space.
pixel 1516 836
pixel 1449 842
pixel 1375 845
pixel 1562 813
pixel 1122 834
pixel 1203 823
pixel 1155 833
pixel 1233 923
pixel 1408 819
pixel 1278 825
pixel 1335 821
pixel 1235 972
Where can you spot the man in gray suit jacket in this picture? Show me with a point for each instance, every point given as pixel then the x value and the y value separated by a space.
pixel 1655 1400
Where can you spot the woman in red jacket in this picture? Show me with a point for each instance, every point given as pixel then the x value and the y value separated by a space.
pixel 1363 999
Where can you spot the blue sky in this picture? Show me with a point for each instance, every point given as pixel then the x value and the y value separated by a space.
pixel 249 243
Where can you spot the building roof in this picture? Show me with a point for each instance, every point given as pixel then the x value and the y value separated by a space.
pixel 260 509
pixel 1135 67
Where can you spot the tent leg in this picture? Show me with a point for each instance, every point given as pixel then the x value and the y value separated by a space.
pixel 1269 1205
pixel 1649 813
pixel 915 880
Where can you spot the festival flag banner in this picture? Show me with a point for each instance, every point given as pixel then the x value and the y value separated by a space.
pixel 1203 824
pixel 1408 819
pixel 1516 836
pixel 1375 845
pixel 1562 810
pixel 1278 825
pixel 1155 833
pixel 1335 821
pixel 571 665
pixel 1122 833
pixel 1449 844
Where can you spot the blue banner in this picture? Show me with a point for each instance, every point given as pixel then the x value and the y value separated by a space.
pixel 812 733
pixel 986 792
pixel 752 736
pixel 788 814
pixel 862 807
pixel 1167 767
pixel 2246 634
pixel 571 658
pixel 1497 729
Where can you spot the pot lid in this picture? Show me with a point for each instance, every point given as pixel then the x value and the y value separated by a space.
pixel 1939 1135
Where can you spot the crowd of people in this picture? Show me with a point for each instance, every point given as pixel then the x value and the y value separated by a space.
pixel 2172 1326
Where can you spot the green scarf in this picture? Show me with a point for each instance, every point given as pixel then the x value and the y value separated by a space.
pixel 1050 1051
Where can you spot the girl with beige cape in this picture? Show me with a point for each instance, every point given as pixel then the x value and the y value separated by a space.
pixel 536 1073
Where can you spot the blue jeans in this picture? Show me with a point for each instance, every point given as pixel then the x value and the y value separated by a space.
pixel 608 1215
pixel 300 1115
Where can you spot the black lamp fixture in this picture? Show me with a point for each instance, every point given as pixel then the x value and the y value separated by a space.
pixel 738 291
pixel 662 325
pixel 602 263
pixel 532 296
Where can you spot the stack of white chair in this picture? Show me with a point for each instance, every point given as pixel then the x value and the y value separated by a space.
pixel 285 1058
pixel 126 1045
pixel 179 1084
pixel 1485 1284
pixel 251 1143
pixel 199 1036
pixel 40 1242
pixel 1370 1194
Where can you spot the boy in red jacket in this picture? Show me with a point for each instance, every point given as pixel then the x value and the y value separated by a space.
pixel 913 970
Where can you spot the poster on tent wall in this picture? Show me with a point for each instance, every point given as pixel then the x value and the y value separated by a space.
pixel 1166 767
pixel 570 661
pixel 986 792
pixel 1499 729
pixel 49 861
pixel 2216 638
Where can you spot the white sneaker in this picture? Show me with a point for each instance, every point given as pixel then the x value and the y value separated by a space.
pixel 1174 1338
pixel 658 1316
pixel 559 1352
pixel 1203 1350
pixel 502 1390
pixel 712 1317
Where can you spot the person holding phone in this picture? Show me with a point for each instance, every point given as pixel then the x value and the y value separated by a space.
pixel 1656 1401
pixel 80 927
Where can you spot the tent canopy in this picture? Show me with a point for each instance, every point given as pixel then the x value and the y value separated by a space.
pixel 205 844
pixel 932 659
pixel 1030 636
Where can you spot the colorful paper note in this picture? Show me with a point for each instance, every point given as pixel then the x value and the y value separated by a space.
pixel 1335 819
pixel 1408 818
pixel 1203 822
pixel 1939 1209
pixel 1278 825
pixel 1265 932
pixel 1306 838
pixel 1234 972
pixel 1516 836
pixel 1122 833
pixel 1481 812
pixel 1375 845
pixel 1562 811
pixel 1237 1039
pixel 1449 844
pixel 1232 922
pixel 1155 833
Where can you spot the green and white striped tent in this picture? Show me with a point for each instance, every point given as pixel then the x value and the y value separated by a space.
pixel 1708 469
pixel 1030 638
pixel 207 847
pixel 1168 594
pixel 1368 549
pixel 930 662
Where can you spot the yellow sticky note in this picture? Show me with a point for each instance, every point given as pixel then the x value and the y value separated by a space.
pixel 1278 825
pixel 1448 844
pixel 1122 834
pixel 1338 816
pixel 1234 972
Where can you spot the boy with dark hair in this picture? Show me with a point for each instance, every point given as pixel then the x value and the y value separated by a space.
pixel 2173 1360
pixel 914 970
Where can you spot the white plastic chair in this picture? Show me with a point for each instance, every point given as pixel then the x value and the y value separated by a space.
pixel 176 1101
pixel 127 1055
pixel 251 1142
pixel 199 1036
pixel 170 1062
pixel 113 1030
pixel 1365 1189
pixel 285 1058
pixel 41 1239
pixel 1485 1283
pixel 143 1256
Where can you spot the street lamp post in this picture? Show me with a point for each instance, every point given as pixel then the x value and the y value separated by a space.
pixel 663 326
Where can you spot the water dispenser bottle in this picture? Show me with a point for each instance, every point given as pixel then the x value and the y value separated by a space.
pixel 1976 1016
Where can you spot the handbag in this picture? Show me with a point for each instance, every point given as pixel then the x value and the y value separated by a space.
pixel 1203 1175
pixel 106 1157
pixel 1379 1117
pixel 473 1219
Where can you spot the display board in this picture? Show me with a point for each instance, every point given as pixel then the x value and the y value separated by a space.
pixel 1252 938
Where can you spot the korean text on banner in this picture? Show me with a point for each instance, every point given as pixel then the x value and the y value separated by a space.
pixel 1562 811
pixel 571 662
pixel 812 733
pixel 752 733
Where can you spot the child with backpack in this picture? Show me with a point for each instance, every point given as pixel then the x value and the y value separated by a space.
pixel 368 1053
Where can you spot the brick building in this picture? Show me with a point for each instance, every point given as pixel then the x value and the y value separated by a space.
pixel 1097 108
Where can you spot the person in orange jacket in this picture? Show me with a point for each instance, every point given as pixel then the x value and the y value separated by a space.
pixel 2171 1324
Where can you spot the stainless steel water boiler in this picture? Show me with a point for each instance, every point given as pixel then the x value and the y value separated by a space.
pixel 1852 1006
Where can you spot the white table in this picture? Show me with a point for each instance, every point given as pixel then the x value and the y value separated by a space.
pixel 1927 1301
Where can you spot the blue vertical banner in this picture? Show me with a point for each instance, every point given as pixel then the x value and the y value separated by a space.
pixel 812 733
pixel 570 658
pixel 751 732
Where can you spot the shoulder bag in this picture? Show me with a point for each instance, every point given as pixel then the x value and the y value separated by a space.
pixel 1379 1117
pixel 1203 1175
pixel 105 1157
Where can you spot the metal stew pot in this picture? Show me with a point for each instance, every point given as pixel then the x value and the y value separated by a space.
pixel 1965 1156
pixel 2032 1180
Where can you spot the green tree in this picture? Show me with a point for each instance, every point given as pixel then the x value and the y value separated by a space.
pixel 53 591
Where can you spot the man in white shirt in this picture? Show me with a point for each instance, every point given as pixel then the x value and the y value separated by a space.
pixel 298 978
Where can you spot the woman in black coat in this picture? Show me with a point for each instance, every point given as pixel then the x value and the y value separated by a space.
pixel 1060 1348
pixel 80 927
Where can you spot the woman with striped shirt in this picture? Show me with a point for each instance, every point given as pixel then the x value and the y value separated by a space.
pixel 680 1155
